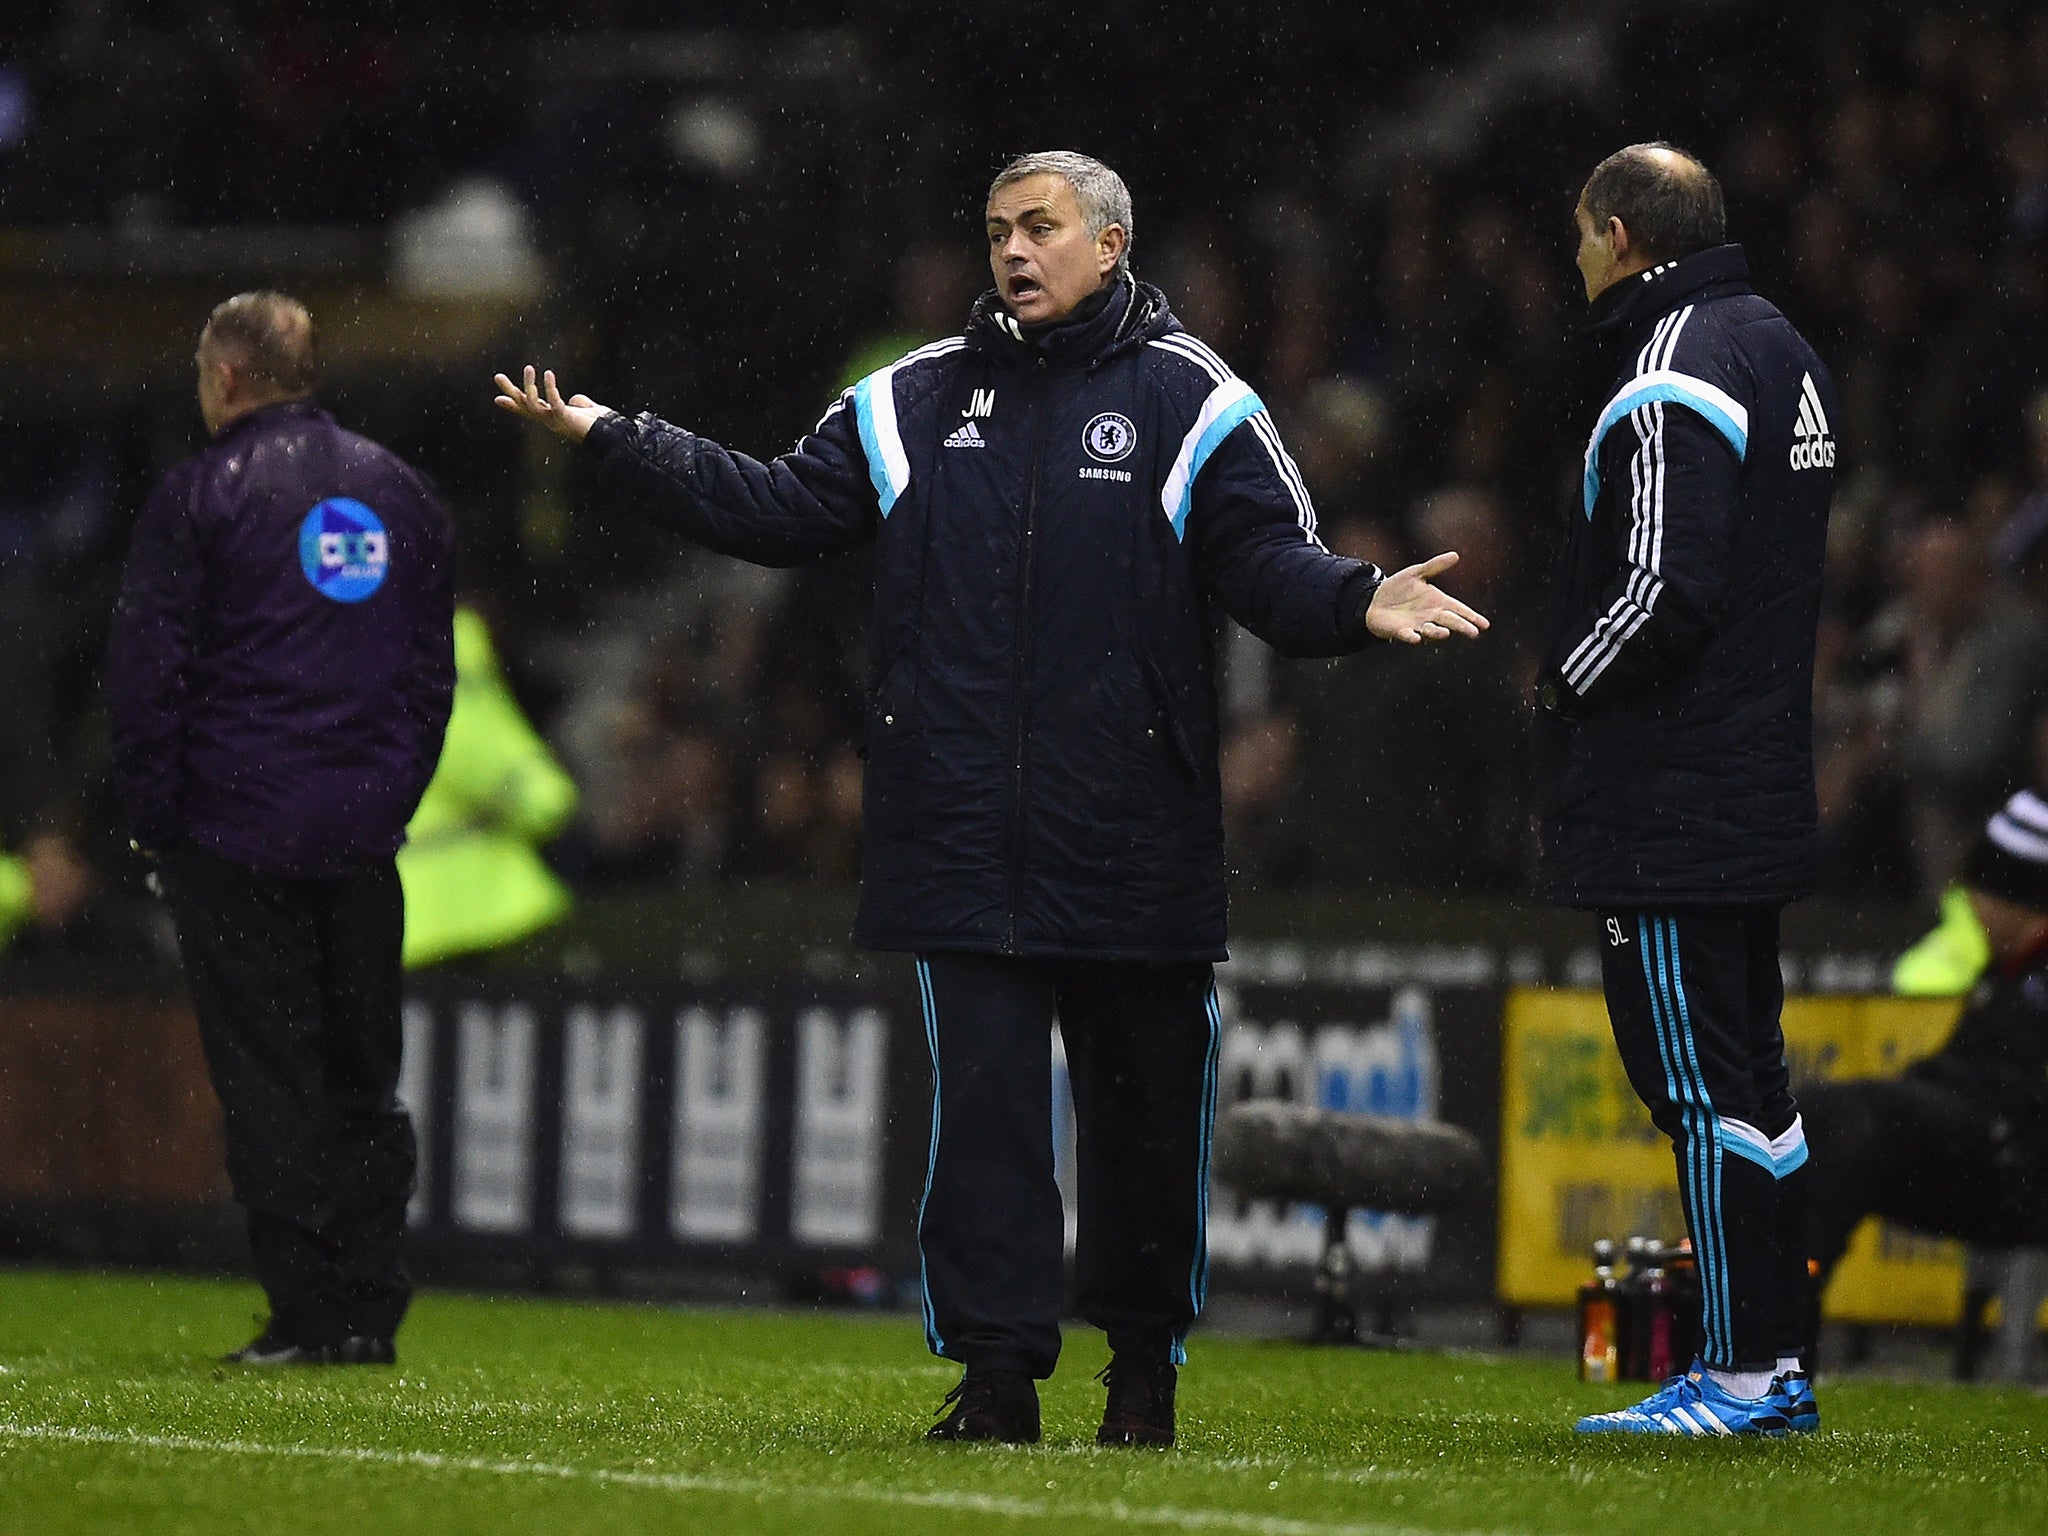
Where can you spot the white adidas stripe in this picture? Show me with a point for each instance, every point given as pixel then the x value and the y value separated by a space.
pixel 2029 810
pixel 1181 344
pixel 1617 626
pixel 1810 401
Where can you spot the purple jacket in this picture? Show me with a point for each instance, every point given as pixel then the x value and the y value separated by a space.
pixel 282 660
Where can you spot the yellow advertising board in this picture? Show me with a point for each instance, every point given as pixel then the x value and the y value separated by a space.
pixel 1580 1159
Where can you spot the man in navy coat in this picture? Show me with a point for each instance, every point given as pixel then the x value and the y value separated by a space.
pixel 1061 499
pixel 1676 746
pixel 280 674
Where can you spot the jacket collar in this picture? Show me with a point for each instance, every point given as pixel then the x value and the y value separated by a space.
pixel 1637 301
pixel 270 415
pixel 1126 314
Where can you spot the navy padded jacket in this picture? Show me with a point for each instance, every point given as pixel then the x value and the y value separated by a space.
pixel 1055 517
pixel 1675 748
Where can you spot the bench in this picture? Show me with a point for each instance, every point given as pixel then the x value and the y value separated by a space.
pixel 1268 1149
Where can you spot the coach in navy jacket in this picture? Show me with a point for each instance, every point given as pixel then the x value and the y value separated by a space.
pixel 1676 734
pixel 1060 498
pixel 281 670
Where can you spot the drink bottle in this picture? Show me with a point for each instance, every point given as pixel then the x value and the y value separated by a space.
pixel 1599 1339
pixel 1660 1293
pixel 1684 1269
pixel 1631 1314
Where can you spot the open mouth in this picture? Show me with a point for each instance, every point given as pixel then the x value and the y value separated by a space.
pixel 1023 288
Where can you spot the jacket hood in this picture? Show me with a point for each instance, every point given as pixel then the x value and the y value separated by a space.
pixel 1124 315
pixel 1637 301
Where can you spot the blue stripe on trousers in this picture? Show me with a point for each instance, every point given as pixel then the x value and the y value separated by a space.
pixel 1685 1092
pixel 1198 1269
pixel 1688 1171
pixel 931 1166
pixel 1713 1122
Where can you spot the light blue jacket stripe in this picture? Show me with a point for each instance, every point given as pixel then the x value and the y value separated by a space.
pixel 887 467
pixel 1714 405
pixel 931 1036
pixel 1691 1169
pixel 1231 414
pixel 1712 1126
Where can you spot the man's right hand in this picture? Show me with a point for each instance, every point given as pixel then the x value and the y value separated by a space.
pixel 571 419
pixel 1407 607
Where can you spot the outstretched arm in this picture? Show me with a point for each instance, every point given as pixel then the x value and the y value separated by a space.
pixel 1254 537
pixel 815 500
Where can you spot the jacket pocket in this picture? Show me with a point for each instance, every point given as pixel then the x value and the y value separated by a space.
pixel 1168 719
pixel 891 703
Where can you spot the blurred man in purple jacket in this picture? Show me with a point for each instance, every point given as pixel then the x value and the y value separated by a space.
pixel 280 676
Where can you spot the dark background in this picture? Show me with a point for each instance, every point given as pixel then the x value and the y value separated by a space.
pixel 722 212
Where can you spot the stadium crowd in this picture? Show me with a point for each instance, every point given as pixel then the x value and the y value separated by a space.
pixel 1404 302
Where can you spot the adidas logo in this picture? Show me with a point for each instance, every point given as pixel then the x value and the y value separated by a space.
pixel 968 436
pixel 1812 447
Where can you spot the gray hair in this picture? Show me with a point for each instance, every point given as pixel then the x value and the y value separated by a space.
pixel 268 335
pixel 1103 197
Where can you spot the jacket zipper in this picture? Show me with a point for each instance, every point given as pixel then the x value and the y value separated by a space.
pixel 1020 667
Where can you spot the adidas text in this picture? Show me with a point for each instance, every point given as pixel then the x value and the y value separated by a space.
pixel 968 436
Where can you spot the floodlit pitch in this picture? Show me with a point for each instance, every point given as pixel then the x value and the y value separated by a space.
pixel 520 1415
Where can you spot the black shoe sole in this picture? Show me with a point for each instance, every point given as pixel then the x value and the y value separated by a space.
pixel 1138 1439
pixel 939 1434
pixel 356 1350
pixel 281 1359
pixel 362 1349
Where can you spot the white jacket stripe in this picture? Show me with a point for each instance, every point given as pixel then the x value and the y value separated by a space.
pixel 1229 403
pixel 1175 498
pixel 1290 474
pixel 874 408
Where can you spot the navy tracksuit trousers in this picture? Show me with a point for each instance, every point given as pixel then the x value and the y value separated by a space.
pixel 297 986
pixel 1141 1043
pixel 1694 996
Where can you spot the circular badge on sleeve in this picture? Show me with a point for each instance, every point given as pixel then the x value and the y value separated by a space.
pixel 343 549
pixel 1109 437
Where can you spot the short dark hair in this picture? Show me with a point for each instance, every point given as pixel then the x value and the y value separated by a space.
pixel 1670 208
pixel 268 335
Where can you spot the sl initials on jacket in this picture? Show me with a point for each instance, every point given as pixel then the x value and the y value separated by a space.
pixel 1056 517
pixel 1675 750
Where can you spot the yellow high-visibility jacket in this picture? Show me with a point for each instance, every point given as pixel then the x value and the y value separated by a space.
pixel 473 880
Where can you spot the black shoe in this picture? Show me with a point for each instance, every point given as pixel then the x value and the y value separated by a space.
pixel 990 1405
pixel 365 1349
pixel 272 1348
pixel 1140 1407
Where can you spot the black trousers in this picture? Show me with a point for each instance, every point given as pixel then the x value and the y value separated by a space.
pixel 297 986
pixel 1923 1155
pixel 1694 997
pixel 1141 1043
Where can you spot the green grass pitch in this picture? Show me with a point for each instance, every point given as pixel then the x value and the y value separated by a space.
pixel 509 1416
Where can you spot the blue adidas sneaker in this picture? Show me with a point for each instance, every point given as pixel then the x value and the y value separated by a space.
pixel 1692 1405
pixel 1793 1396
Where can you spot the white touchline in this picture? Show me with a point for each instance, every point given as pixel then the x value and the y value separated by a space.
pixel 689 1482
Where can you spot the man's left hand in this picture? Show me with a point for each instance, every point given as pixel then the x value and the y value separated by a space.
pixel 1406 607
pixel 540 400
